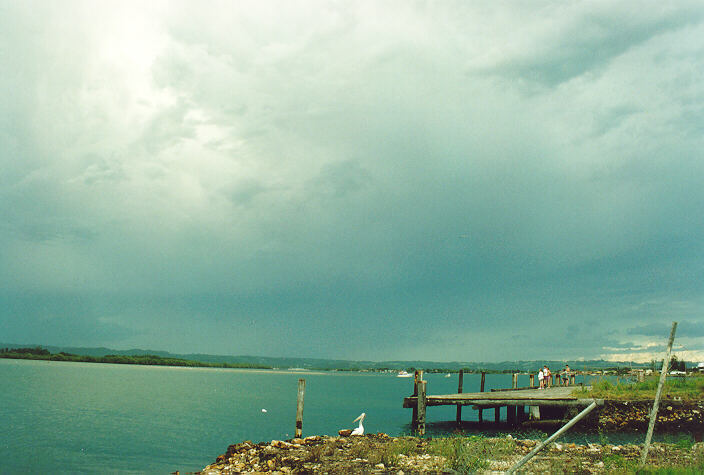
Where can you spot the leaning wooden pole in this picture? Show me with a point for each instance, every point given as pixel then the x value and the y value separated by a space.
pixel 299 407
pixel 656 403
pixel 557 434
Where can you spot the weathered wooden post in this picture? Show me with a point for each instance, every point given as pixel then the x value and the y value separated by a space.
pixel 459 391
pixel 572 378
pixel 481 390
pixel 417 377
pixel 656 403
pixel 532 380
pixel 422 387
pixel 299 407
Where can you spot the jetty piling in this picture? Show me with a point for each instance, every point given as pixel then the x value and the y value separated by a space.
pixel 458 419
pixel 417 377
pixel 481 390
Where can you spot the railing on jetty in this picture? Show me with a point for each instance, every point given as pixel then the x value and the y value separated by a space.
pixel 514 399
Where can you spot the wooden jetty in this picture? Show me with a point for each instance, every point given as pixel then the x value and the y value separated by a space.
pixel 515 400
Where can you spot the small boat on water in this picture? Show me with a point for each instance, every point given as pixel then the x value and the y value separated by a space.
pixel 448 375
pixel 404 374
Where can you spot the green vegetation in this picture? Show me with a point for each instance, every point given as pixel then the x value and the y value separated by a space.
pixel 473 453
pixel 38 353
pixel 690 388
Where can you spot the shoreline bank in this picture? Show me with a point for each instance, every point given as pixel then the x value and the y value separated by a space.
pixel 380 453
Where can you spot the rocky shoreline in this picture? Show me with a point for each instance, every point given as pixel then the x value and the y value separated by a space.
pixel 380 453
pixel 673 416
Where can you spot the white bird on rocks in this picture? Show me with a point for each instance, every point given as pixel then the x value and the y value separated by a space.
pixel 360 429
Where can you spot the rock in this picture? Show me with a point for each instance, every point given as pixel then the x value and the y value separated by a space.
pixel 271 463
pixel 345 432
pixel 380 466
pixel 599 464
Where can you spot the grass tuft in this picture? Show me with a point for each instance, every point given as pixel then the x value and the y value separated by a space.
pixel 470 454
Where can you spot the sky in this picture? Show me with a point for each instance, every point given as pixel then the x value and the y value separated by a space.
pixel 378 180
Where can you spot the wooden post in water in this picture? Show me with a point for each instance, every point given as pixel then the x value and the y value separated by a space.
pixel 417 378
pixel 459 391
pixel 532 380
pixel 422 387
pixel 299 407
pixel 656 402
pixel 481 390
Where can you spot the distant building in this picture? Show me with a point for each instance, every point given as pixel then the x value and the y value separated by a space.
pixel 700 367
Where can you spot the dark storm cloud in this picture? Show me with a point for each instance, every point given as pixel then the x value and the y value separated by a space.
pixel 348 181
pixel 587 38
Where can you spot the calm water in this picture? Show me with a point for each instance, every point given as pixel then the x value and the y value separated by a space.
pixel 83 417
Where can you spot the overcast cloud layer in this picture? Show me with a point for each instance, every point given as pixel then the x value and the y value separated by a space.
pixel 367 180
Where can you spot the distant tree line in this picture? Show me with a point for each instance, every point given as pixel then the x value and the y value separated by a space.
pixel 39 353
pixel 37 350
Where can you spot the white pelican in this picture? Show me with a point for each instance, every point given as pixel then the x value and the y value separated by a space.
pixel 360 429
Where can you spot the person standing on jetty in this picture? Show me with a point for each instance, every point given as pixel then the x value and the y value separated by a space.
pixel 541 379
pixel 546 376
pixel 566 375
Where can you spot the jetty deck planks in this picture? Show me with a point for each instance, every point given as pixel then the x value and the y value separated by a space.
pixel 557 396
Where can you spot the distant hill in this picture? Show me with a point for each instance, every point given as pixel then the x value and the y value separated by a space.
pixel 329 364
